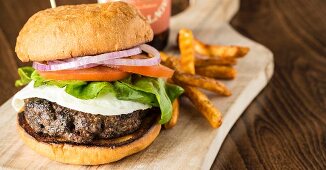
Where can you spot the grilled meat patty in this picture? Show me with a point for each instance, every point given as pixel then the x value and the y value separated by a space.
pixel 48 118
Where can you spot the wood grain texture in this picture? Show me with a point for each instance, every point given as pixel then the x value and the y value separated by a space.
pixel 285 125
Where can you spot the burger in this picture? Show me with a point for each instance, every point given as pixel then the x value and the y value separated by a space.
pixel 96 92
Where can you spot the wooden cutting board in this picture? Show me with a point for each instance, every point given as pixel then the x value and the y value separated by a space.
pixel 192 144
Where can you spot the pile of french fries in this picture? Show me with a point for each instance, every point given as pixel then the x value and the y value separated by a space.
pixel 199 66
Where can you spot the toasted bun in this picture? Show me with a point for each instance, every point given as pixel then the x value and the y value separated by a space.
pixel 87 154
pixel 79 30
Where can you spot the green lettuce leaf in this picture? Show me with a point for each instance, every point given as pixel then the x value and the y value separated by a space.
pixel 79 89
pixel 173 91
pixel 156 87
pixel 25 76
pixel 89 90
pixel 124 92
pixel 147 90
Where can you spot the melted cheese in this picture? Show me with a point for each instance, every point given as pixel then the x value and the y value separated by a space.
pixel 104 105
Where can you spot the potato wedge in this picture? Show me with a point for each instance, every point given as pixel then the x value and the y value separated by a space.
pixel 174 62
pixel 227 51
pixel 186 46
pixel 219 72
pixel 175 115
pixel 215 61
pixel 170 61
pixel 163 56
pixel 202 82
pixel 204 106
pixel 219 50
pixel 201 48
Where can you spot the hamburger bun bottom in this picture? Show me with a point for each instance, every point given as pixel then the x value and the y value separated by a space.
pixel 79 154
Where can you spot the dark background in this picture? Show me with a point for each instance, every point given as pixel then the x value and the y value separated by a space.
pixel 285 126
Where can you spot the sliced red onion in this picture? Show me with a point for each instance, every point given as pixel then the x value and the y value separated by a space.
pixel 86 61
pixel 109 59
pixel 155 60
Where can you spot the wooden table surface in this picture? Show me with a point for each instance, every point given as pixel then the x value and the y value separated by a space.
pixel 285 126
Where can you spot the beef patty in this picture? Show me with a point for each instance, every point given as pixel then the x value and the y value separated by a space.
pixel 48 118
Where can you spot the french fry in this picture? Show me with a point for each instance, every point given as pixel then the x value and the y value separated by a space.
pixel 201 48
pixel 228 51
pixel 175 115
pixel 199 99
pixel 194 80
pixel 220 50
pixel 204 105
pixel 187 59
pixel 164 56
pixel 202 82
pixel 170 61
pixel 220 72
pixel 208 61
pixel 173 62
pixel 215 61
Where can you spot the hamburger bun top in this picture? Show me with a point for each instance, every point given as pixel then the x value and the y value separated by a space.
pixel 78 30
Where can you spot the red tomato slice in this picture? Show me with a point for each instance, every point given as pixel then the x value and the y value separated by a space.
pixel 99 73
pixel 150 71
